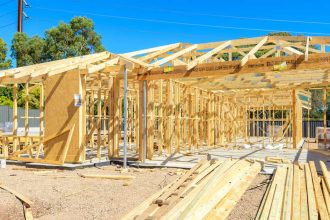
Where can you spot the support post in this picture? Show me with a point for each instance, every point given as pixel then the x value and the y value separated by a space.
pixel 26 113
pixel 294 119
pixel 144 120
pixel 15 117
pixel 125 117
pixel 325 118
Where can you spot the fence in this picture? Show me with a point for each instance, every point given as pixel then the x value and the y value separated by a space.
pixel 6 115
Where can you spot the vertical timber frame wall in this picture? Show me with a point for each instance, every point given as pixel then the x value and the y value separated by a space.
pixel 61 114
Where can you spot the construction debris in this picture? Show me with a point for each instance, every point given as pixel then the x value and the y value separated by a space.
pixel 114 177
pixel 297 192
pixel 25 201
pixel 277 160
pixel 209 190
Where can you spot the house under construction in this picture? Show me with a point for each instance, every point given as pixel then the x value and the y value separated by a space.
pixel 176 98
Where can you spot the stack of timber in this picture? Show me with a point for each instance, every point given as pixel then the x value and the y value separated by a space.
pixel 297 192
pixel 209 190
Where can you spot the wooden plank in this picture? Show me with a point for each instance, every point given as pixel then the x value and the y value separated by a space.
pixel 227 204
pixel 315 61
pixel 287 200
pixel 292 50
pixel 175 55
pixel 312 209
pixel 213 191
pixel 322 209
pixel 113 177
pixel 207 55
pixel 276 207
pixel 25 201
pixel 178 183
pixel 326 174
pixel 326 195
pixel 304 211
pixel 264 214
pixel 144 205
pixel 253 51
pixel 160 52
pixel 67 145
pixel 200 185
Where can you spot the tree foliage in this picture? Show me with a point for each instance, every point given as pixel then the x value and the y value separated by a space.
pixel 4 62
pixel 5 93
pixel 75 38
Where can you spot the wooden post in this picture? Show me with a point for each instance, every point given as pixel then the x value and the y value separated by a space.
pixel 196 119
pixel 26 113
pixel 99 115
pixel 116 116
pixel 294 119
pixel 111 118
pixel 140 140
pixel 150 119
pixel 92 116
pixel 325 117
pixel 15 117
pixel 169 119
pixel 160 117
pixel 177 116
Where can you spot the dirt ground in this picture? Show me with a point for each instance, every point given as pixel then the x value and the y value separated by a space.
pixel 65 195
pixel 248 205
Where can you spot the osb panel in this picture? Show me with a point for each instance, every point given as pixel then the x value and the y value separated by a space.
pixel 61 114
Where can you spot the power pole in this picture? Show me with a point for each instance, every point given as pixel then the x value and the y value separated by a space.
pixel 20 16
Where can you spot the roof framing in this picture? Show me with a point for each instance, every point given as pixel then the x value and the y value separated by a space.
pixel 247 63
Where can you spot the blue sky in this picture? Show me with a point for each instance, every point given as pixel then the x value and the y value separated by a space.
pixel 131 25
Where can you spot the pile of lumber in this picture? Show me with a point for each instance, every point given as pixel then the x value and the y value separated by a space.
pixel 209 190
pixel 297 192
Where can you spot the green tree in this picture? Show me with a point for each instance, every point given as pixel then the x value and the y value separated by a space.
pixel 5 93
pixel 26 50
pixel 73 39
pixel 4 62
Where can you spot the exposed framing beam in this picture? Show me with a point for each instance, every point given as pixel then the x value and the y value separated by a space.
pixel 209 54
pixel 253 51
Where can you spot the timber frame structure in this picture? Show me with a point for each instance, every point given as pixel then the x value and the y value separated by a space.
pixel 181 98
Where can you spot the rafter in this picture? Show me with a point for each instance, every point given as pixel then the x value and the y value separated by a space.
pixel 253 51
pixel 292 50
pixel 207 55
pixel 307 49
pixel 160 52
pixel 175 55
pixel 133 60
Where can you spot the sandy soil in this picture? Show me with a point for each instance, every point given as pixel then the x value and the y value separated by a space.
pixel 248 205
pixel 65 195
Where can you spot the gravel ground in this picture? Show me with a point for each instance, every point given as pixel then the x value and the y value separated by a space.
pixel 65 195
pixel 248 205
